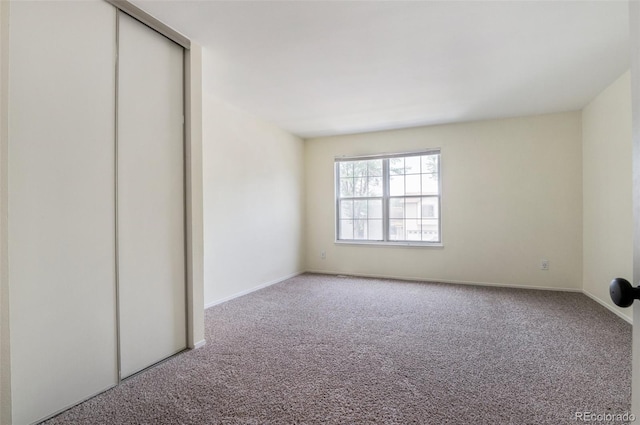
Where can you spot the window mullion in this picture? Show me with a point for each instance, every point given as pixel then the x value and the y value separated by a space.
pixel 337 199
pixel 385 200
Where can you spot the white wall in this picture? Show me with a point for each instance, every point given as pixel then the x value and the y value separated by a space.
pixel 5 364
pixel 253 199
pixel 511 196
pixel 607 209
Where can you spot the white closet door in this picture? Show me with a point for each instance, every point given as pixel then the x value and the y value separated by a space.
pixel 151 245
pixel 61 204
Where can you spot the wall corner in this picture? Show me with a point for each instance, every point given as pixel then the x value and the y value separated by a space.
pixel 193 171
pixel 5 348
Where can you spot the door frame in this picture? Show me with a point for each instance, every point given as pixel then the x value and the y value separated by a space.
pixel 634 42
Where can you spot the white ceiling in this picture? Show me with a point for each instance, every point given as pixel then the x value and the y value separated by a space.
pixel 332 67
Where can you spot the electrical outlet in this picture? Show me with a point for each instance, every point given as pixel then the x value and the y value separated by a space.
pixel 323 255
pixel 544 264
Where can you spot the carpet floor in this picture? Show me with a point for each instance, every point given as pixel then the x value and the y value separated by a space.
pixel 324 349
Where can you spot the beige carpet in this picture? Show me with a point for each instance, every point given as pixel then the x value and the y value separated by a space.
pixel 321 349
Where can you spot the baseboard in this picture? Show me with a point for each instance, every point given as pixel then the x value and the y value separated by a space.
pixel 199 344
pixel 417 279
pixel 454 282
pixel 608 307
pixel 255 288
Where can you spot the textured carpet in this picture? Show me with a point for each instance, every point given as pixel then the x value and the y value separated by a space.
pixel 322 349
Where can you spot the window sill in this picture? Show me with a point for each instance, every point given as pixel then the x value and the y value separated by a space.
pixel 392 244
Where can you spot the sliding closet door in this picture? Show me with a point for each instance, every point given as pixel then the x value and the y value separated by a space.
pixel 61 204
pixel 151 245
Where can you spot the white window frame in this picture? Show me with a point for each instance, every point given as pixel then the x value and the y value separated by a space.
pixel 386 199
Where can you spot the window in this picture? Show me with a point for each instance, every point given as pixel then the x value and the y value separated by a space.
pixel 389 198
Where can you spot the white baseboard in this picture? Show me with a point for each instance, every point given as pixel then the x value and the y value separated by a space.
pixel 248 291
pixel 455 282
pixel 199 344
pixel 500 285
pixel 418 279
pixel 627 319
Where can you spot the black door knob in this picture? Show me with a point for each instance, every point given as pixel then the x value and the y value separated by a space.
pixel 622 293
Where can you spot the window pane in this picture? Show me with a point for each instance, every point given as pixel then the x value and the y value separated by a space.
pixel 360 168
pixel 375 208
pixel 412 208
pixel 360 187
pixel 346 169
pixel 375 230
pixel 430 207
pixel 375 186
pixel 412 184
pixel 413 230
pixel 430 230
pixel 360 209
pixel 396 230
pixel 396 208
pixel 430 184
pixel 396 185
pixel 396 166
pixel 346 209
pixel 375 168
pixel 346 229
pixel 346 187
pixel 359 229
pixel 412 165
pixel 430 163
